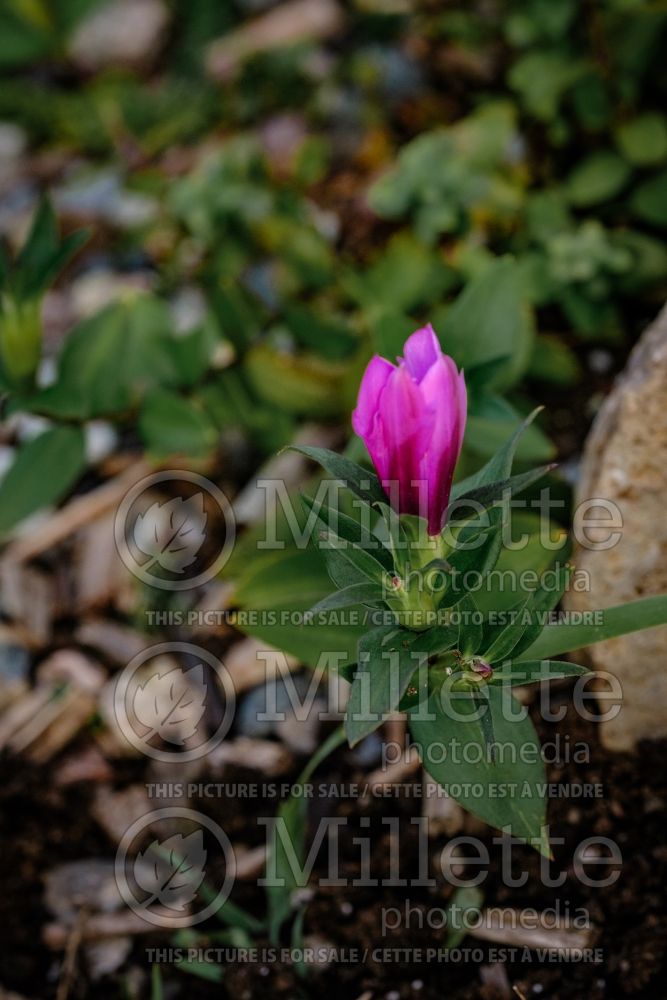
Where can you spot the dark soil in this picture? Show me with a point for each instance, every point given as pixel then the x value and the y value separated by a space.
pixel 43 826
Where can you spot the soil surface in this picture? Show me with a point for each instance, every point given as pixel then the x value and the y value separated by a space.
pixel 43 826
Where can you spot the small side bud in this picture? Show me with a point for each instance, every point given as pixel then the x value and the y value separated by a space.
pixel 482 668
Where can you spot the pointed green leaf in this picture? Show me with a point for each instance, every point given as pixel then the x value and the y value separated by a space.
pixel 517 775
pixel 380 681
pixel 490 493
pixel 470 626
pixel 622 619
pixel 293 814
pixel 361 481
pixel 541 603
pixel 502 640
pixel 347 528
pixel 533 671
pixel 43 471
pixel 497 468
pixel 357 593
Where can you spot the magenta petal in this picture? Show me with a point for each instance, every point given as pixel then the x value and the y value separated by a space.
pixel 462 400
pixel 405 427
pixel 441 391
pixel 421 350
pixel 375 378
pixel 412 420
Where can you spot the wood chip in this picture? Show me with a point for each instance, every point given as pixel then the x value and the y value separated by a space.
pixel 250 862
pixel 117 811
pixel 251 662
pixel 76 709
pixel 295 21
pixel 84 765
pixel 394 773
pixel 106 925
pixel 29 596
pixel 71 666
pixel 99 572
pixel 217 598
pixel 116 642
pixel 517 927
pixel 270 758
pixel 495 981
pixel 443 814
pixel 290 468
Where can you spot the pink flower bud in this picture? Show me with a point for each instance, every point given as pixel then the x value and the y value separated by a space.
pixel 412 418
pixel 482 668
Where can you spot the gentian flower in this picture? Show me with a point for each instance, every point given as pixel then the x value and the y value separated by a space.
pixel 412 419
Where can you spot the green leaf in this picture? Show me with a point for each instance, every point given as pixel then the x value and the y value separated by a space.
pixel 380 681
pixel 466 901
pixel 303 384
pixel 293 814
pixel 157 992
pixel 600 177
pixel 649 200
pixel 273 589
pixel 541 78
pixel 534 671
pixel 342 571
pixel 192 352
pixel 172 425
pixel 347 528
pixel 503 640
pixel 41 240
pixel 389 332
pixel 111 360
pixel 42 473
pixel 347 563
pixel 487 495
pixel 500 466
pixel 330 338
pixel 492 421
pixel 43 254
pixel 21 40
pixel 361 481
pixel 209 971
pixel 643 140
pixel 517 771
pixel 356 593
pixel 482 702
pixel 406 275
pixel 541 602
pixel 470 626
pixel 489 319
pixel 622 619
pixel 553 361
pixel 480 376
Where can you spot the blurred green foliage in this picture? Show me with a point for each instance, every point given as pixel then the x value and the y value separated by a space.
pixel 494 169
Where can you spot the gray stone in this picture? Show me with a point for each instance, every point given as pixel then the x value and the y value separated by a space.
pixel 625 462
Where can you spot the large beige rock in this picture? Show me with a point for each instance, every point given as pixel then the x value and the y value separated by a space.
pixel 625 462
